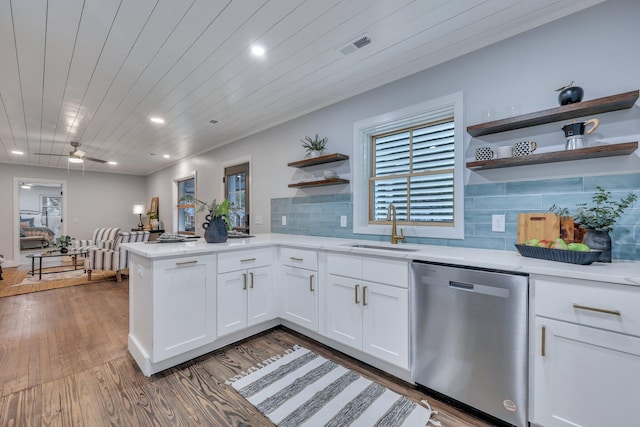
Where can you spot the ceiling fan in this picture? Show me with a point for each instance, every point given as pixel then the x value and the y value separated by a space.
pixel 75 155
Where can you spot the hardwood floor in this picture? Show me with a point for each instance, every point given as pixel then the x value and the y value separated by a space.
pixel 64 361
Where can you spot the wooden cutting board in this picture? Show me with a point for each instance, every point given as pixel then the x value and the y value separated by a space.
pixel 541 226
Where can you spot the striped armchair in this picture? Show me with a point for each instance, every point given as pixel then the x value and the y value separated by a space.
pixel 103 238
pixel 114 259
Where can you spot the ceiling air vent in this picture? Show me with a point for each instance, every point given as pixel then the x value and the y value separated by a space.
pixel 355 45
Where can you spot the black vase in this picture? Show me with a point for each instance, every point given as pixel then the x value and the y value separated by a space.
pixel 215 230
pixel 64 250
pixel 600 240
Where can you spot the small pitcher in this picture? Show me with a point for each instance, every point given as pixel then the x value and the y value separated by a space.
pixel 576 133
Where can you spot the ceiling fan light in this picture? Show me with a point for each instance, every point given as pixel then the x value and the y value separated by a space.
pixel 75 160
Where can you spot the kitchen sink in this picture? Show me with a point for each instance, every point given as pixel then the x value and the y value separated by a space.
pixel 384 248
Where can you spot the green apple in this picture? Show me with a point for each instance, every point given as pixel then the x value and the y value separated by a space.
pixel 531 242
pixel 559 243
pixel 580 247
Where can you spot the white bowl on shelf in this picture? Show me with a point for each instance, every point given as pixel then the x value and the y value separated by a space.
pixel 329 174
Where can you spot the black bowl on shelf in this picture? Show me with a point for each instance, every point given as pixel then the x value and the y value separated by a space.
pixel 559 255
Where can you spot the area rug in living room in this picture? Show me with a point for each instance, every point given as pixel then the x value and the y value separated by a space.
pixel 17 282
pixel 301 388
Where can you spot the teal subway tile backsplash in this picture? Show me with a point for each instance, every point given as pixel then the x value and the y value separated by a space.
pixel 320 215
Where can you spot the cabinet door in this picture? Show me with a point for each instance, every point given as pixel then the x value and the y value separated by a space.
pixel 299 297
pixel 586 377
pixel 232 301
pixel 385 323
pixel 259 295
pixel 344 313
pixel 184 303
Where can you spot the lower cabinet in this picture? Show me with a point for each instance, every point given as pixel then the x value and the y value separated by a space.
pixel 587 354
pixel 371 317
pixel 245 297
pixel 299 296
pixel 183 305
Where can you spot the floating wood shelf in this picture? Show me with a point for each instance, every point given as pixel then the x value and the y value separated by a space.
pixel 607 104
pixel 624 148
pixel 319 183
pixel 329 158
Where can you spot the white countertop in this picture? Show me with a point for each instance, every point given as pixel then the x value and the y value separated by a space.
pixel 619 271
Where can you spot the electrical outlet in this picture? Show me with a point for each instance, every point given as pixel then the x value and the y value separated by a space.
pixel 497 223
pixel 258 219
pixel 140 271
pixel 284 220
pixel 343 221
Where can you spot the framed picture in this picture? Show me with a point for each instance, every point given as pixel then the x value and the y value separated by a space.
pixel 154 206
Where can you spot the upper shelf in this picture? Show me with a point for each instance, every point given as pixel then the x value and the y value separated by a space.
pixel 329 158
pixel 621 101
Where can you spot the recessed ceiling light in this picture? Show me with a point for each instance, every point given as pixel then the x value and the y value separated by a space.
pixel 112 163
pixel 257 50
pixel 166 156
pixel 156 120
pixel 17 152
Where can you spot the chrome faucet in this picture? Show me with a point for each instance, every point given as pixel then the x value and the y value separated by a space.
pixel 391 215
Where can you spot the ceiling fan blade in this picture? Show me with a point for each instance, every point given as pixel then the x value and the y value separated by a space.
pixel 47 154
pixel 93 159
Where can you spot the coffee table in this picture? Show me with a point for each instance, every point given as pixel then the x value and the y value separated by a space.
pixel 74 254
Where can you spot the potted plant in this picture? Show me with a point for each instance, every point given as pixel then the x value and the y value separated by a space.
pixel 217 224
pixel 314 146
pixel 153 219
pixel 598 219
pixel 63 243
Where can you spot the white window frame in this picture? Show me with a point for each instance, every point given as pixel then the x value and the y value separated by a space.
pixel 176 216
pixel 413 115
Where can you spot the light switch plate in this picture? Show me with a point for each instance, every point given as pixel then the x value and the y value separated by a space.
pixel 343 221
pixel 497 223
pixel 284 220
pixel 258 219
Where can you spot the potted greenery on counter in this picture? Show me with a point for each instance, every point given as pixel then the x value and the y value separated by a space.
pixel 598 219
pixel 217 223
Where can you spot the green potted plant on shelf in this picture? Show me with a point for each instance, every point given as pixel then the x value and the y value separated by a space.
pixel 218 223
pixel 314 146
pixel 63 243
pixel 598 219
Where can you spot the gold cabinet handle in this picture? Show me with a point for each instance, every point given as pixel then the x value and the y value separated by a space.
pixel 180 264
pixel 248 260
pixel 364 295
pixel 244 280
pixel 543 346
pixel 356 288
pixel 251 274
pixel 292 258
pixel 311 283
pixel 598 310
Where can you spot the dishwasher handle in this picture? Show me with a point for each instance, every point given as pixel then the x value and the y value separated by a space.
pixel 479 289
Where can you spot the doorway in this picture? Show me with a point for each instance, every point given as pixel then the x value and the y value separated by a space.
pixel 39 212
pixel 236 190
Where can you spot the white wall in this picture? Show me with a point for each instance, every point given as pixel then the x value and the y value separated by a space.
pixel 596 48
pixel 93 200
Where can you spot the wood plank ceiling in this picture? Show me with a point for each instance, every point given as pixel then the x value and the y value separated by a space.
pixel 95 71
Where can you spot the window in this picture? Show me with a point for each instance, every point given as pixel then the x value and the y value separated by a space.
pixel 186 212
pixel 413 159
pixel 237 192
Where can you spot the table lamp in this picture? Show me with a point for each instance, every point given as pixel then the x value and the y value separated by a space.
pixel 139 210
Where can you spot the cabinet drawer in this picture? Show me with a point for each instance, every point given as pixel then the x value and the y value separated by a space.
pixel 242 260
pixel 387 271
pixel 302 258
pixel 344 265
pixel 602 305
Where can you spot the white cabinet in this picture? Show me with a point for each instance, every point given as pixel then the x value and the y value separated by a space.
pixel 587 353
pixel 367 305
pixel 245 289
pixel 183 305
pixel 299 287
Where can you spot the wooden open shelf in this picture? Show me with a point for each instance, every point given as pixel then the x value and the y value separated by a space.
pixel 557 156
pixel 329 158
pixel 621 101
pixel 319 183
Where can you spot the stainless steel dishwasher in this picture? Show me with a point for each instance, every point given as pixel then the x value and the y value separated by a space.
pixel 469 337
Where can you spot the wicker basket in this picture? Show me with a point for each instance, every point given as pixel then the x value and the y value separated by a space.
pixel 559 255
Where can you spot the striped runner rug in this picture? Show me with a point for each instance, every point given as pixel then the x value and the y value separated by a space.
pixel 301 388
